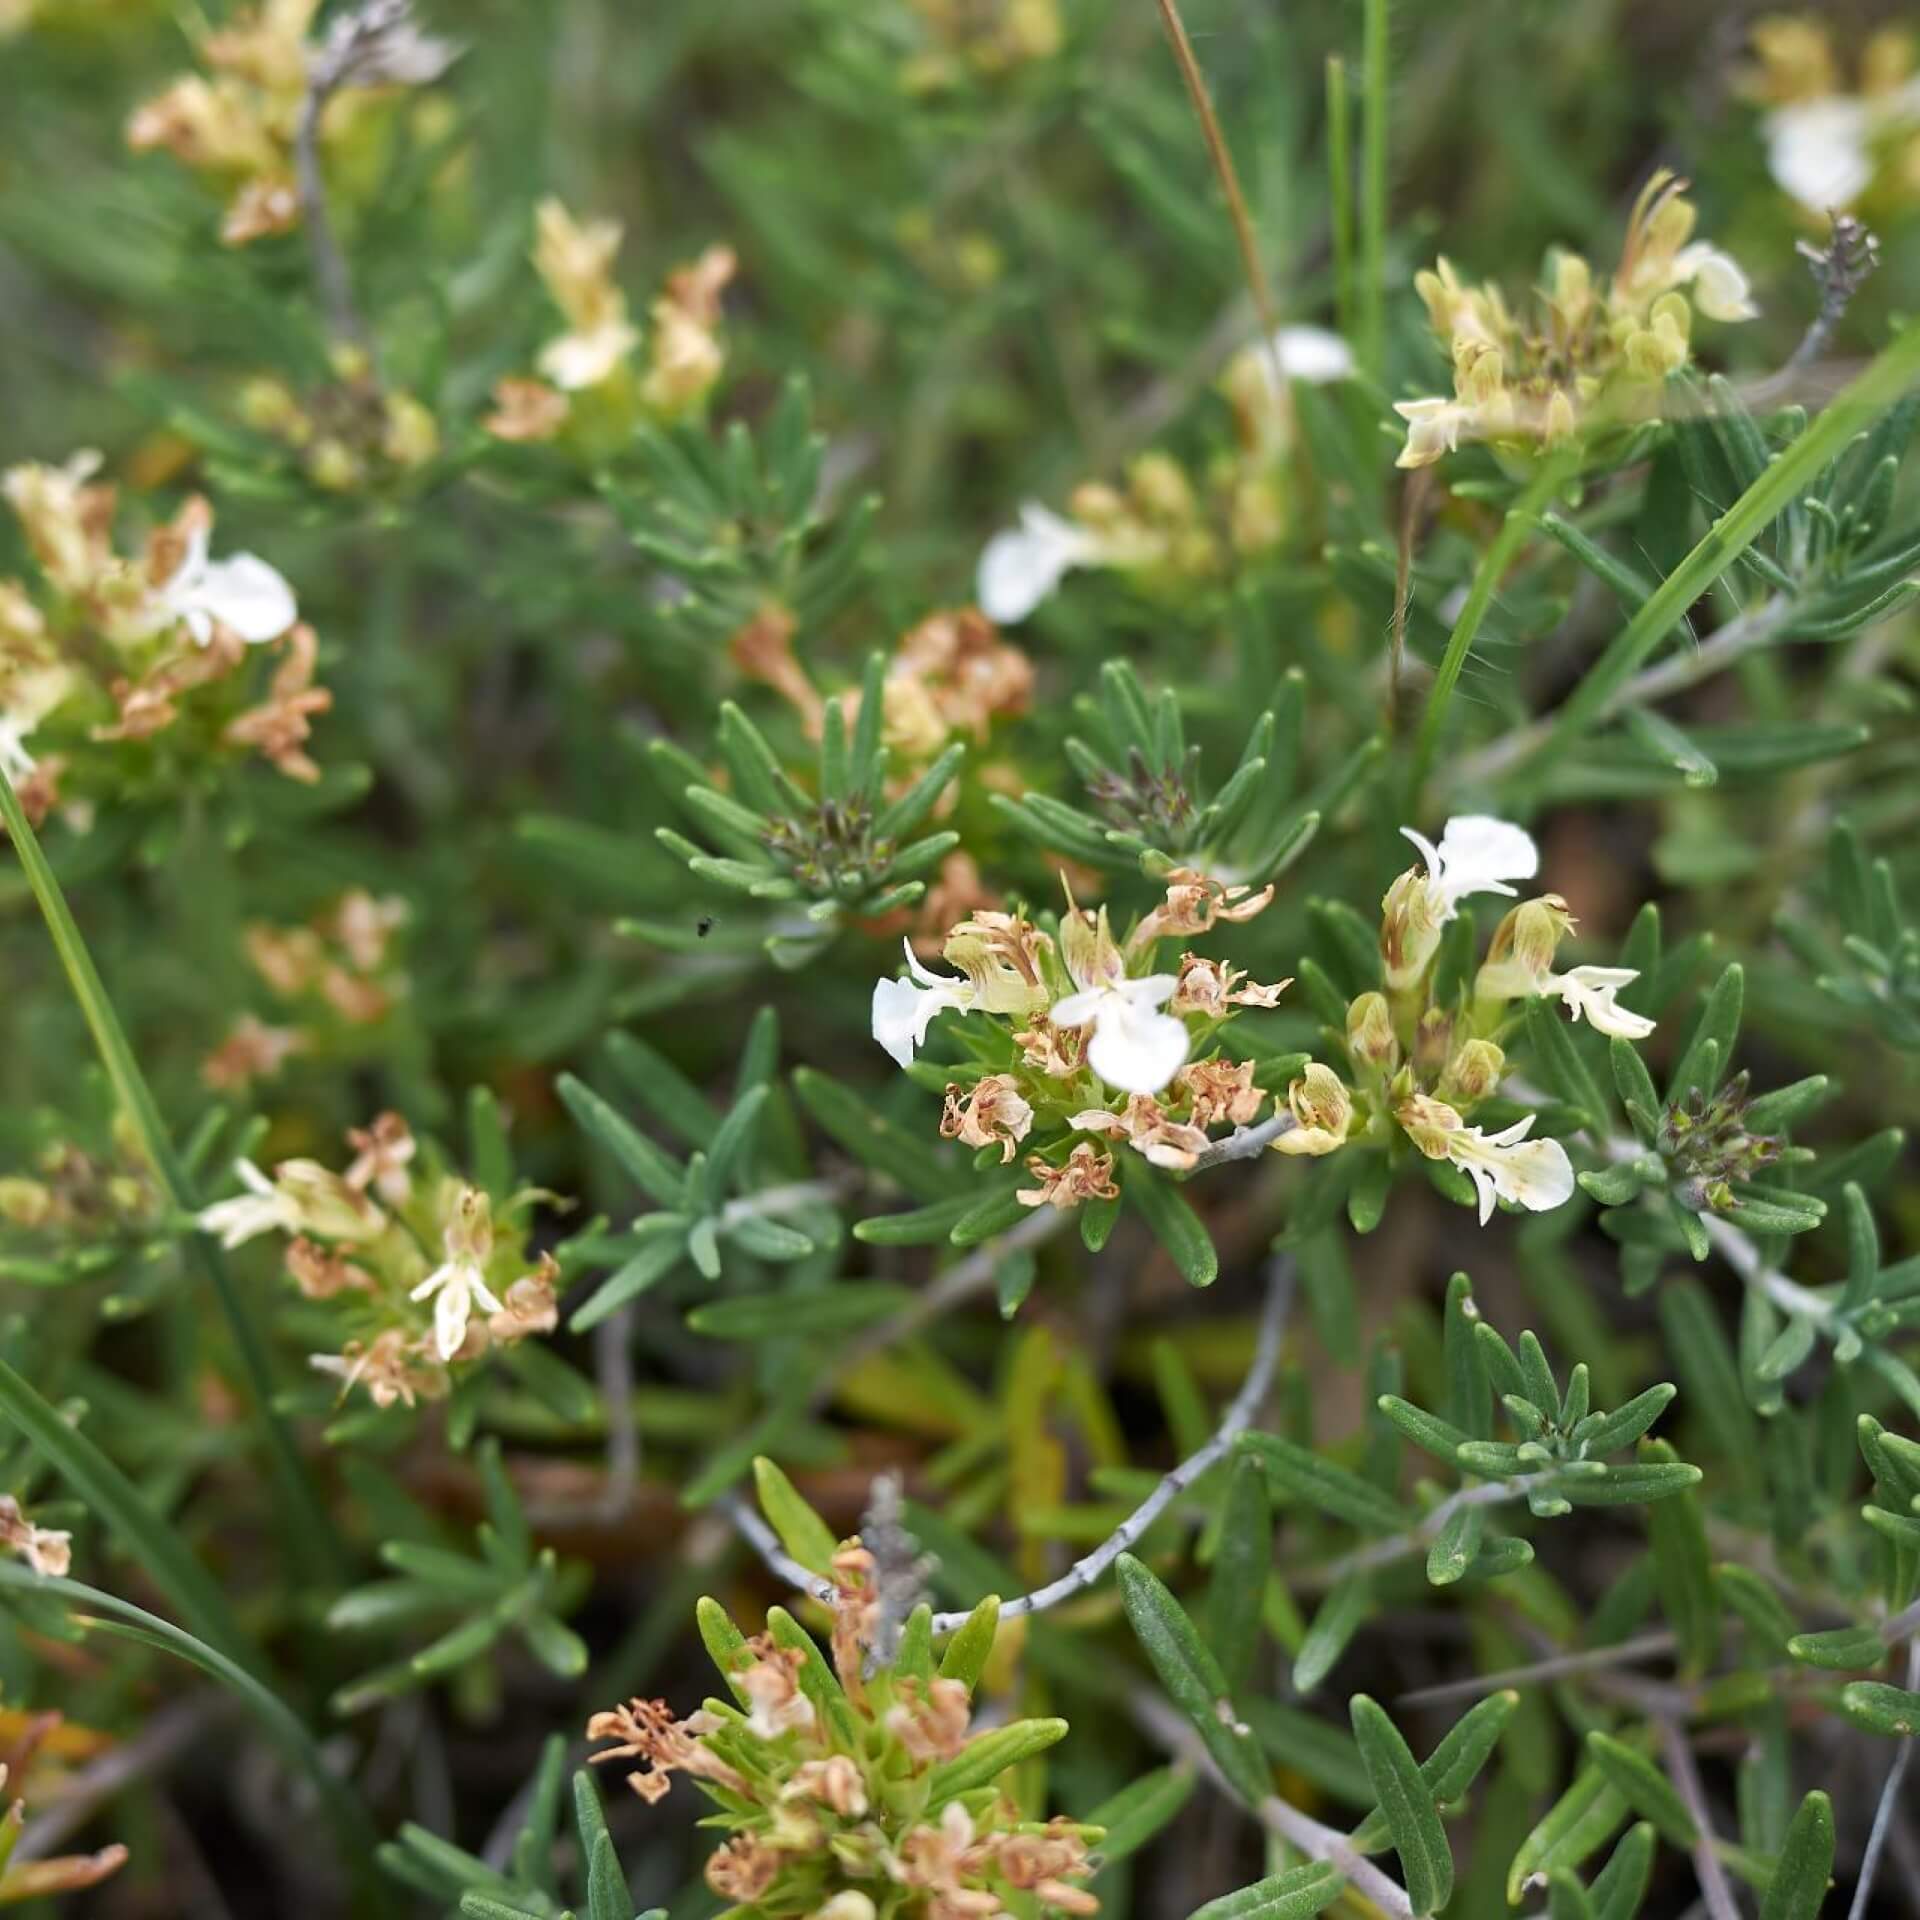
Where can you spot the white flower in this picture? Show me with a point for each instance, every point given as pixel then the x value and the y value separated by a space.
pixel 1535 1174
pixel 1134 1046
pixel 1720 288
pixel 1818 150
pixel 1311 354
pixel 1590 991
pixel 1434 428
pixel 461 1280
pixel 1022 566
pixel 578 360
pixel 904 1009
pixel 1476 854
pixel 242 593
pixel 263 1208
pixel 32 694
pixel 15 761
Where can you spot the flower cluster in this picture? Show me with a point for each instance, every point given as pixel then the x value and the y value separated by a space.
pixel 1162 531
pixel 101 1190
pixel 1421 1062
pixel 338 974
pixel 120 649
pixel 1090 1037
pixel 980 39
pixel 237 124
pixel 44 1550
pixel 848 1793
pixel 1595 352
pixel 414 1264
pixel 1828 145
pixel 350 433
pixel 589 383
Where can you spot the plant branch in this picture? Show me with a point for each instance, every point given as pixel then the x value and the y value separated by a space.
pixel 1889 1800
pixel 1559 1666
pixel 1884 379
pixel 1714 1890
pixel 1163 1724
pixel 308 1525
pixel 1245 1143
pixel 1553 472
pixel 1383 1553
pixel 1085 1571
pixel 1234 1422
pixel 1739 637
pixel 330 276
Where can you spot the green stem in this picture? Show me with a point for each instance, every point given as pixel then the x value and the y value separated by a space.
pixel 1552 474
pixel 1340 194
pixel 109 1613
pixel 145 1537
pixel 307 1523
pixel 1373 206
pixel 1736 530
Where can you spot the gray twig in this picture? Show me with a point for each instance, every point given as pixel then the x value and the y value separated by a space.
pixel 1714 1889
pixel 1744 634
pixel 375 45
pixel 1383 1553
pixel 1246 1143
pixel 1084 1572
pixel 1163 1723
pixel 1557 1666
pixel 1889 1799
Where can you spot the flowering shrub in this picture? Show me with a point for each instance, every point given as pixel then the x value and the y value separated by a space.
pixel 950 822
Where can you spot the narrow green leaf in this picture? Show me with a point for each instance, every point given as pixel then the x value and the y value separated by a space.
pixel 1295 1895
pixel 1192 1677
pixel 1420 1841
pixel 802 1532
pixel 1804 1869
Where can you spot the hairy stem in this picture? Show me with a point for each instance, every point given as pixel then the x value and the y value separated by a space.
pixel 1884 379
pixel 1553 472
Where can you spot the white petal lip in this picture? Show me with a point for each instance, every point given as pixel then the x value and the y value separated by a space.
pixel 1134 1048
pixel 242 592
pixel 1591 990
pixel 247 595
pixel 904 1009
pixel 1313 354
pixel 1817 151
pixel 1535 1174
pixel 1477 854
pixel 1720 288
pixel 1023 566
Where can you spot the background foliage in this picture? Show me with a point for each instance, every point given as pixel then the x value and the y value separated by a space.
pixel 343 1655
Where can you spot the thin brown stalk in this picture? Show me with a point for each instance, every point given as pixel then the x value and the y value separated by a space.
pixel 1229 182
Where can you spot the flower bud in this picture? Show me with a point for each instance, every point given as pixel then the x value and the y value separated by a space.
pixel 1370 1035
pixel 1427 1122
pixel 1410 923
pixel 1521 954
pixel 1159 489
pixel 1473 1072
pixel 25 1202
pixel 1322 1111
pixel 325 1204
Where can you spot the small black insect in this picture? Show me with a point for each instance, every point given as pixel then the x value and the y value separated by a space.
pixel 704 926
